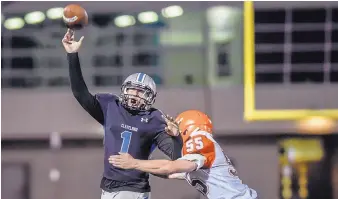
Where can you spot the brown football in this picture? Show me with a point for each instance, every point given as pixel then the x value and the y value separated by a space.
pixel 75 16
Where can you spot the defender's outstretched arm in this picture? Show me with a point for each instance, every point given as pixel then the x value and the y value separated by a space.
pixel 161 167
pixel 165 167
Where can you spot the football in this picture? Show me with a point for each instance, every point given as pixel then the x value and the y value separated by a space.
pixel 75 16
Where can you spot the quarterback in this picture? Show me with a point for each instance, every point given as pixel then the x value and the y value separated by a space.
pixel 203 164
pixel 131 125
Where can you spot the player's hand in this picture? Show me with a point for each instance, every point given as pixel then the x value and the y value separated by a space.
pixel 180 176
pixel 172 126
pixel 123 161
pixel 69 43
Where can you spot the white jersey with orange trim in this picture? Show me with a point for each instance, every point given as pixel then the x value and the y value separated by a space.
pixel 215 176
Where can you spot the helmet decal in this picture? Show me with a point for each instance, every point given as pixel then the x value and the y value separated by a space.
pixel 140 77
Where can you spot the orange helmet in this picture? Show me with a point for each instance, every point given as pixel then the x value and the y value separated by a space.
pixel 193 120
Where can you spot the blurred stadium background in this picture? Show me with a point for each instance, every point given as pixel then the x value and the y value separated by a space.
pixel 52 149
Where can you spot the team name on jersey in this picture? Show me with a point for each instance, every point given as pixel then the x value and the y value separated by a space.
pixel 130 128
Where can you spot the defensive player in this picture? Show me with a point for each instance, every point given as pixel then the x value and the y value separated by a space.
pixel 203 164
pixel 130 122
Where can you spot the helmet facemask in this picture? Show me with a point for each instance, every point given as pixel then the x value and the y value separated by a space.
pixel 136 96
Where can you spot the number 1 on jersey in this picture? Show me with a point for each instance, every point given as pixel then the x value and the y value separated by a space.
pixel 126 137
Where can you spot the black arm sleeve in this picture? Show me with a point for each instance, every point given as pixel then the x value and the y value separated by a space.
pixel 80 90
pixel 169 145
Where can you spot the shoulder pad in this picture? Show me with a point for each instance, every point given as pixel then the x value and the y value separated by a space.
pixel 106 97
pixel 157 120
pixel 157 113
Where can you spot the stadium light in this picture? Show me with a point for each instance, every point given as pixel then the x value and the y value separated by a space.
pixel 35 17
pixel 124 21
pixel 55 13
pixel 220 17
pixel 14 23
pixel 148 17
pixel 54 175
pixel 172 11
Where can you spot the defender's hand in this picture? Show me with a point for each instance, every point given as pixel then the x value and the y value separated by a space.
pixel 179 176
pixel 123 161
pixel 172 126
pixel 70 45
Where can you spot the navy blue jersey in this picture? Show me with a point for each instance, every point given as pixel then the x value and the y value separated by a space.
pixel 132 132
pixel 128 132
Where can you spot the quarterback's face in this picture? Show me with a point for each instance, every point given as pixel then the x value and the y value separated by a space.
pixel 135 96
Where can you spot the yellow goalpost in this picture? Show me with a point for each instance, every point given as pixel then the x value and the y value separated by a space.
pixel 250 112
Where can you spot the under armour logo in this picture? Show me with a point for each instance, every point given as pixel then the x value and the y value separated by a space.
pixel 144 120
